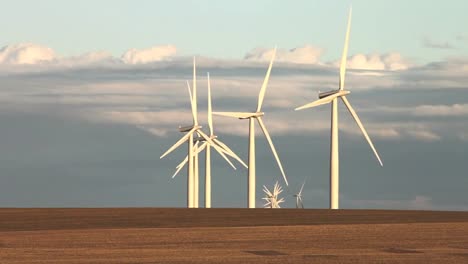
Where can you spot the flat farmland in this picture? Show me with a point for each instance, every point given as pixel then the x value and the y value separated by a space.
pixel 169 235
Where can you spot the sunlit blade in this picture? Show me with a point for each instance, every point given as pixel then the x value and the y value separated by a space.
pixel 180 168
pixel 358 121
pixel 302 187
pixel 267 192
pixel 202 147
pixel 261 95
pixel 178 143
pixel 301 203
pixel 182 163
pixel 191 103
pixel 318 102
pixel 197 150
pixel 194 84
pixel 234 114
pixel 230 152
pixel 267 135
pixel 217 148
pixel 210 112
pixel 345 53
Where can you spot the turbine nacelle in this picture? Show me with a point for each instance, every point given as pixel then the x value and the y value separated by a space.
pixel 188 128
pixel 202 139
pixel 333 92
pixel 254 115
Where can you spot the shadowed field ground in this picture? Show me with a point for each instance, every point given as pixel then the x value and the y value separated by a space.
pixel 155 235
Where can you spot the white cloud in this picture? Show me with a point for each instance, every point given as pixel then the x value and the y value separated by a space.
pixel 87 59
pixel 441 110
pixel 306 54
pixel 153 54
pixel 424 135
pixel 425 110
pixel 26 53
pixel 390 62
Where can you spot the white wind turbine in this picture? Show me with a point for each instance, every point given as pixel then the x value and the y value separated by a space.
pixel 207 147
pixel 272 198
pixel 332 96
pixel 298 197
pixel 189 137
pixel 252 116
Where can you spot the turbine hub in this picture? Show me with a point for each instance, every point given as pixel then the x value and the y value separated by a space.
pixel 257 114
pixel 188 128
pixel 330 93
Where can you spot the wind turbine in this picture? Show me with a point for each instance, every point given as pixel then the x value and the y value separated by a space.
pixel 332 97
pixel 272 200
pixel 298 197
pixel 207 147
pixel 252 116
pixel 190 130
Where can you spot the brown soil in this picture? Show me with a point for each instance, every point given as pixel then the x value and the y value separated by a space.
pixel 156 235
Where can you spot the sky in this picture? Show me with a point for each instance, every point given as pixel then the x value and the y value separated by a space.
pixel 92 93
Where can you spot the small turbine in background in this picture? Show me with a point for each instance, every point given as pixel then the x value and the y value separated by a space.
pixel 272 199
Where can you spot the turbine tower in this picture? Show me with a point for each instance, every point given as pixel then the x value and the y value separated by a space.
pixel 190 130
pixel 207 147
pixel 252 116
pixel 332 97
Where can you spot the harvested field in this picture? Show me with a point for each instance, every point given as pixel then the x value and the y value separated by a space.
pixel 158 235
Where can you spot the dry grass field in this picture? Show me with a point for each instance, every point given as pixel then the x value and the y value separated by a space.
pixel 158 235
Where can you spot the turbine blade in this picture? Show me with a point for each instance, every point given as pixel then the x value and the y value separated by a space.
pixel 191 103
pixel 218 149
pixel 359 123
pixel 234 114
pixel 345 52
pixel 267 135
pixel 194 84
pixel 315 103
pixel 210 112
pixel 261 95
pixel 182 163
pixel 179 168
pixel 202 147
pixel 230 152
pixel 178 143
pixel 302 187
pixel 197 150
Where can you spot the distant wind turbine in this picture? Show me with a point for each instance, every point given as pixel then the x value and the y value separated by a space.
pixel 332 96
pixel 207 147
pixel 272 199
pixel 252 116
pixel 298 196
pixel 195 128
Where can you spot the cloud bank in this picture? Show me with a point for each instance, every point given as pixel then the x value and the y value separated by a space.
pixel 135 90
pixel 26 53
pixel 304 55
pixel 389 62
pixel 153 54
pixel 32 54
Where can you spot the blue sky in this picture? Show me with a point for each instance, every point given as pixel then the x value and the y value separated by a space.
pixel 92 93
pixel 229 29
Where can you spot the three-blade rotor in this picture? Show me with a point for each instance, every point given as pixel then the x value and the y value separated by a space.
pixel 258 114
pixel 210 140
pixel 341 93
